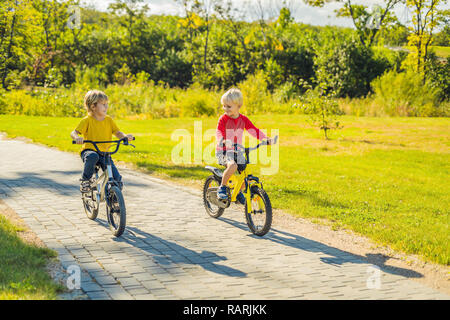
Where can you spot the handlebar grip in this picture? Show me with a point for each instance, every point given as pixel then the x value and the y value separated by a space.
pixel 74 142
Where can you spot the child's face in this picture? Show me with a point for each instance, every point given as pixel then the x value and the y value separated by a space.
pixel 231 109
pixel 101 108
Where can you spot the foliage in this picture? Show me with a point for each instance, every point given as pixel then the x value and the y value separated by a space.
pixel 367 22
pixel 442 38
pixel 347 68
pixel 322 109
pixel 393 35
pixel 211 46
pixel 439 75
pixel 426 17
pixel 255 93
pixel 405 94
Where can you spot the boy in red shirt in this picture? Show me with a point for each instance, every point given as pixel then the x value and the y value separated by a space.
pixel 230 129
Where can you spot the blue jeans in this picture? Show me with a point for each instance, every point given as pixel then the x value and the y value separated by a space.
pixel 90 159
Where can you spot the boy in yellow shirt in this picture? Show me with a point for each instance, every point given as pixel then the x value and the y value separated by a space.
pixel 96 126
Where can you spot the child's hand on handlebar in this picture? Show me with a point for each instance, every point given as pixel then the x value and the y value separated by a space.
pixel 130 137
pixel 272 141
pixel 79 140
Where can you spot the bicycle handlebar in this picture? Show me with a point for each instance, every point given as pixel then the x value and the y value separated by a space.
pixel 94 143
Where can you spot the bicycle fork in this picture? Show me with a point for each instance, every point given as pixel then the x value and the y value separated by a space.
pixel 251 181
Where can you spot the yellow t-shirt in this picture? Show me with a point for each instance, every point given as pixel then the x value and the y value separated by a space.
pixel 95 130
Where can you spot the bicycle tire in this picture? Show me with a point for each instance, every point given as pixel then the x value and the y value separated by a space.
pixel 208 206
pixel 91 206
pixel 116 211
pixel 250 217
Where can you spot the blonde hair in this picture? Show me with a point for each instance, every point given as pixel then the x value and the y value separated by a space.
pixel 92 98
pixel 232 96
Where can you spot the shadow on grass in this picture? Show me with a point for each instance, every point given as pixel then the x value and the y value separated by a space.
pixel 167 253
pixel 337 256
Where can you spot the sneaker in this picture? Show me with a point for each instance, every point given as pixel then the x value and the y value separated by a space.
pixel 222 193
pixel 85 186
pixel 240 198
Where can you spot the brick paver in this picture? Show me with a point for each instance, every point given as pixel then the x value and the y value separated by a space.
pixel 171 249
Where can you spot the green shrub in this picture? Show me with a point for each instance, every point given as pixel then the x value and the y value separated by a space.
pixel 322 109
pixel 256 95
pixel 439 74
pixel 347 67
pixel 406 94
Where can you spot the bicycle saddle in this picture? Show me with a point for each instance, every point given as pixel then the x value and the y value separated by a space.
pixel 217 172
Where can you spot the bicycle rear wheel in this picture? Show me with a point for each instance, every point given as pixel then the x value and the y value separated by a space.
pixel 259 220
pixel 212 209
pixel 115 211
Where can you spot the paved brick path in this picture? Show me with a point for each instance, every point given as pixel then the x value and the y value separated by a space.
pixel 171 249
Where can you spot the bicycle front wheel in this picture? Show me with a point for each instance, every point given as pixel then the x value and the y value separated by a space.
pixel 259 219
pixel 115 211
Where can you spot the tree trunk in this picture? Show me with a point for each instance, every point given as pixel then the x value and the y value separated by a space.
pixel 206 42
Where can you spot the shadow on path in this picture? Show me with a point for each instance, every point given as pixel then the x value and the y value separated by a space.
pixel 166 253
pixel 42 181
pixel 337 256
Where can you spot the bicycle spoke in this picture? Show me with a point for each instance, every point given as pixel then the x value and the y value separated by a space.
pixel 213 184
pixel 258 213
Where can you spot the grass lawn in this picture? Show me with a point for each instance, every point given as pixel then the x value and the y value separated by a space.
pixel 385 178
pixel 443 52
pixel 440 51
pixel 22 267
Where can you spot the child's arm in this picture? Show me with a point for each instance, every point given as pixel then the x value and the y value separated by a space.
pixel 75 136
pixel 221 134
pixel 121 135
pixel 254 131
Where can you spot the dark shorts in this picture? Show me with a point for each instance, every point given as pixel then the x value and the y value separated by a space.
pixel 224 157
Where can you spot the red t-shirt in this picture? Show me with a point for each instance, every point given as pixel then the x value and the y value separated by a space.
pixel 233 129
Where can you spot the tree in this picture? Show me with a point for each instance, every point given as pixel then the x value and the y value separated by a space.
pixel 228 14
pixel 132 19
pixel 443 38
pixel 50 52
pixel 346 67
pixel 426 17
pixel 322 108
pixel 367 23
pixel 18 34
pixel 204 10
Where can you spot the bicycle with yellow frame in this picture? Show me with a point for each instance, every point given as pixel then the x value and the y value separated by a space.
pixel 258 209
